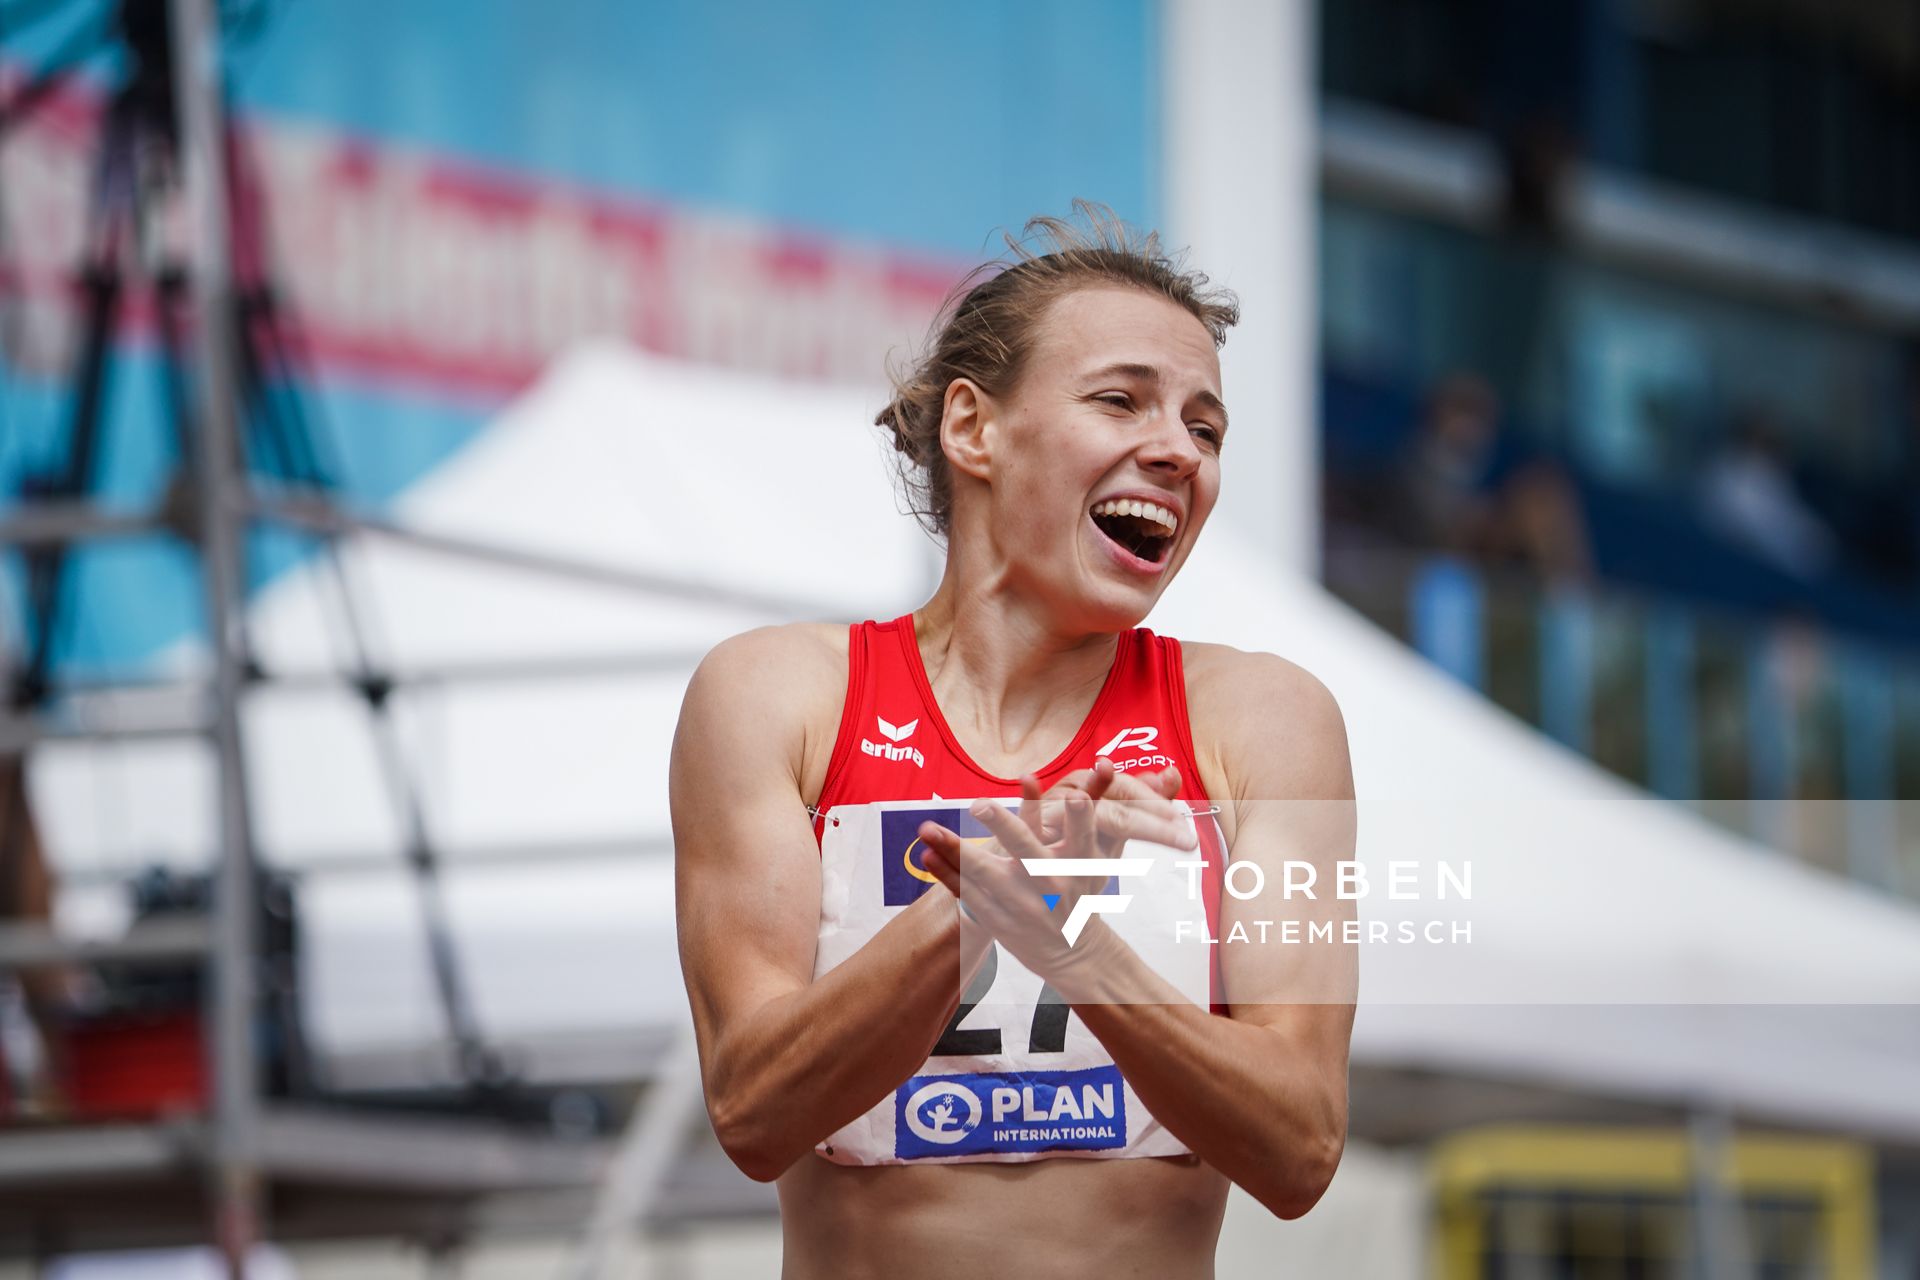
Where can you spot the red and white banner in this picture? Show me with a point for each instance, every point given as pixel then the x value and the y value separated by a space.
pixel 399 263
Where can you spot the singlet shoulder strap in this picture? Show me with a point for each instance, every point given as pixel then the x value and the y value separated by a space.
pixel 1174 668
pixel 860 636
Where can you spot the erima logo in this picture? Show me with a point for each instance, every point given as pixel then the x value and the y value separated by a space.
pixel 891 750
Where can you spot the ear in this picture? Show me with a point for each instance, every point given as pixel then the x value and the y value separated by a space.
pixel 967 428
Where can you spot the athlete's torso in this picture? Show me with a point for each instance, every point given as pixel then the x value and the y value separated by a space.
pixel 892 1198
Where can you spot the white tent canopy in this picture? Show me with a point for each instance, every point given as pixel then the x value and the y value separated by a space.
pixel 1601 919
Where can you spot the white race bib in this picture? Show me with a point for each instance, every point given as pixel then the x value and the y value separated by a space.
pixel 1015 1076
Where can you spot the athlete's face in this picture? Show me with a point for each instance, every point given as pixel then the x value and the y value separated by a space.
pixel 1119 403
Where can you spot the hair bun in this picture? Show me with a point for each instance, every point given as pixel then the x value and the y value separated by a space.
pixel 890 418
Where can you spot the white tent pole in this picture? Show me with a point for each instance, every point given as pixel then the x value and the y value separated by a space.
pixel 1239 176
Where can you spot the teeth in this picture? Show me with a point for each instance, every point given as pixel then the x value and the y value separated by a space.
pixel 1133 507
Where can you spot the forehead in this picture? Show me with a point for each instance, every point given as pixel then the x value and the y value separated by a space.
pixel 1096 327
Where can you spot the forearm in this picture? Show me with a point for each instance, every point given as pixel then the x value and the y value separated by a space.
pixel 804 1064
pixel 1267 1119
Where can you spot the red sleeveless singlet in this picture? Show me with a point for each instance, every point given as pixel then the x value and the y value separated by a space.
pixel 893 743
pixel 1014 1076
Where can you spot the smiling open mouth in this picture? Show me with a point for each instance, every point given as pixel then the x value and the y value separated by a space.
pixel 1140 528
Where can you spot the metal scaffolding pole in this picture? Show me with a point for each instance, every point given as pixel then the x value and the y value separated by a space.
pixel 47 522
pixel 1722 1250
pixel 325 516
pixel 235 1174
pixel 630 1191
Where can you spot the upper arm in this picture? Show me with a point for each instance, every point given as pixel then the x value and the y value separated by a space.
pixel 1283 748
pixel 746 867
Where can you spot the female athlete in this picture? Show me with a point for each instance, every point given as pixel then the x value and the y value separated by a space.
pixel 957 1060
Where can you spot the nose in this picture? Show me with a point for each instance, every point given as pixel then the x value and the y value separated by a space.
pixel 1168 446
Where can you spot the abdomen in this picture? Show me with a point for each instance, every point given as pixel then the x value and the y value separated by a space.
pixel 1061 1217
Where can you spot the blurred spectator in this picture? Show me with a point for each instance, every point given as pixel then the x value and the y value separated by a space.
pixel 1445 491
pixel 1747 496
pixel 1897 528
pixel 1462 486
pixel 1537 159
pixel 1906 522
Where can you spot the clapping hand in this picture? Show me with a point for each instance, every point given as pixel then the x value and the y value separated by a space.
pixel 1088 815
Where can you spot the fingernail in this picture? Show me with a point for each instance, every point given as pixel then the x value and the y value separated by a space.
pixel 980 809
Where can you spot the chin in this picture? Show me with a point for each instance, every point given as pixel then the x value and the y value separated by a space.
pixel 1120 610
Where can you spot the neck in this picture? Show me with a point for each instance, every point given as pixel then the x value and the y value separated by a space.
pixel 1007 673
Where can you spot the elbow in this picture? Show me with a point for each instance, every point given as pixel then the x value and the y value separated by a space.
pixel 745 1140
pixel 1298 1186
pixel 755 1162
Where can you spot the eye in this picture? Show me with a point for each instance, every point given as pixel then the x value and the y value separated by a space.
pixel 1118 399
pixel 1209 433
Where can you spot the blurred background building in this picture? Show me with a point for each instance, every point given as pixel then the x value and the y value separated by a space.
pixel 1619 309
pixel 1578 450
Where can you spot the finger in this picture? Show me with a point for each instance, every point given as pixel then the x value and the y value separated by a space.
pixel 942 870
pixel 941 841
pixel 1080 827
pixel 1132 795
pixel 1012 833
pixel 1118 823
pixel 1030 806
pixel 943 856
pixel 1084 779
pixel 1157 820
pixel 953 860
pixel 1104 775
pixel 1110 782
pixel 1079 779
pixel 1050 808
pixel 1168 781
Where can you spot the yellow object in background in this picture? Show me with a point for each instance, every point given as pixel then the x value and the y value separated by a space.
pixel 1583 1201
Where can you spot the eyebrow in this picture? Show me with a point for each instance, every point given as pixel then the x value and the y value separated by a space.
pixel 1147 373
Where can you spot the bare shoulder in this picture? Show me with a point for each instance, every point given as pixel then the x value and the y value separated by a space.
pixel 782 685
pixel 1271 727
pixel 1222 672
pixel 802 651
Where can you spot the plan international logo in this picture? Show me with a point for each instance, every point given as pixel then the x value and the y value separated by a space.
pixel 972 1113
